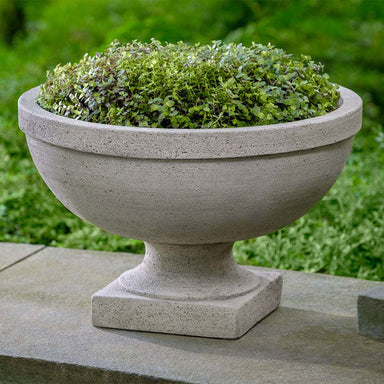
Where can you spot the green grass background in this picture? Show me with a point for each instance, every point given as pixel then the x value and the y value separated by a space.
pixel 342 235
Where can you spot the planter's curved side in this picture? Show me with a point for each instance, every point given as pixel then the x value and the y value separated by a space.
pixel 197 201
pixel 157 143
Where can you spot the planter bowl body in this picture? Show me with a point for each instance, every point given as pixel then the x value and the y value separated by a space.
pixel 189 194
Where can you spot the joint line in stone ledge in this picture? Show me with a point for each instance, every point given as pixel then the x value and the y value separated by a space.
pixel 23 258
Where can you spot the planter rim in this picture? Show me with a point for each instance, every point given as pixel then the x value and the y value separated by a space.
pixel 166 143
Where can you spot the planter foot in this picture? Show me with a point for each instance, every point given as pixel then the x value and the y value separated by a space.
pixel 229 318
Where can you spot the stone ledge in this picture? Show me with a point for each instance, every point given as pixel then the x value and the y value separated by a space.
pixel 11 253
pixel 371 312
pixel 46 334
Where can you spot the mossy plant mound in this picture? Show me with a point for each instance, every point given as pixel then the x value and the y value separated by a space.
pixel 182 86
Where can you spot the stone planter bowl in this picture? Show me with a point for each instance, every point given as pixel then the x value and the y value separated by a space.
pixel 189 194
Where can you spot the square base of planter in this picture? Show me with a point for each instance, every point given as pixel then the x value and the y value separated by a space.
pixel 112 307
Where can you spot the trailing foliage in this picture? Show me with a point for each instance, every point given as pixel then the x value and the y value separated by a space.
pixel 183 86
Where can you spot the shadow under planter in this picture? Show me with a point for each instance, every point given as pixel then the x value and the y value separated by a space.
pixel 189 194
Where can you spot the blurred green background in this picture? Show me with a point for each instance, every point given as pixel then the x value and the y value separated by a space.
pixel 342 235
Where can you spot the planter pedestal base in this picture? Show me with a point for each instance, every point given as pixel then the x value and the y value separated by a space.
pixel 114 307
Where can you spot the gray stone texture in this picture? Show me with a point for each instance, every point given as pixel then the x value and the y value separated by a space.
pixel 151 143
pixel 195 290
pixel 371 313
pixel 199 186
pixel 230 318
pixel 46 334
pixel 11 253
pixel 188 189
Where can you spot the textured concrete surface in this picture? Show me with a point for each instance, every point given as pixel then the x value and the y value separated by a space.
pixel 190 186
pixel 371 312
pixel 184 188
pixel 46 333
pixel 162 143
pixel 11 253
pixel 195 290
pixel 113 307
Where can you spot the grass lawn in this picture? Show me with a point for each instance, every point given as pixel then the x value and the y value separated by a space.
pixel 342 235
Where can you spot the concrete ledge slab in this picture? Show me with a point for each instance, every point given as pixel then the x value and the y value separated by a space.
pixel 371 312
pixel 46 333
pixel 11 253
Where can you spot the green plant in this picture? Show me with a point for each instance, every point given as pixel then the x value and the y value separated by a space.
pixel 342 235
pixel 189 86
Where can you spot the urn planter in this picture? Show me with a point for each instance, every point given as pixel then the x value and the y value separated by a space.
pixel 189 194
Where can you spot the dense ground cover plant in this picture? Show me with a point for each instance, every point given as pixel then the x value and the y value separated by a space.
pixel 189 86
pixel 342 235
